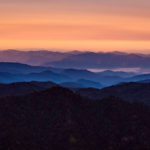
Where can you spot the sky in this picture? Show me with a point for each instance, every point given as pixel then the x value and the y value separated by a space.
pixel 96 25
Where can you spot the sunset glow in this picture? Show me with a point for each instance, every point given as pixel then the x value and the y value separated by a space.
pixel 66 25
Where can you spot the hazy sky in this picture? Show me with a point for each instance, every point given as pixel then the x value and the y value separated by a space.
pixel 82 24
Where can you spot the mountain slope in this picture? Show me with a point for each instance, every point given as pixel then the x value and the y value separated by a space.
pixel 132 92
pixel 41 76
pixel 16 72
pixel 139 77
pixel 21 88
pixel 117 73
pixel 11 67
pixel 76 59
pixel 47 76
pixel 59 119
pixel 103 60
pixel 31 57
pixel 77 74
pixel 89 83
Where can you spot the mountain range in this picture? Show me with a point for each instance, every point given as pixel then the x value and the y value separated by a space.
pixel 16 72
pixel 54 101
pixel 21 88
pixel 77 59
pixel 12 67
pixel 57 118
pixel 103 60
pixel 131 92
pixel 31 57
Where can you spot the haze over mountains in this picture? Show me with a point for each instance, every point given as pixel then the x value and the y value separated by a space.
pixel 31 57
pixel 16 72
pixel 74 74
pixel 96 110
pixel 104 60
pixel 77 59
pixel 126 85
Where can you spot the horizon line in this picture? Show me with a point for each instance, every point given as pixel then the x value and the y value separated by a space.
pixel 76 50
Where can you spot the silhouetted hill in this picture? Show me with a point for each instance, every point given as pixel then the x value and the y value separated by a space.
pixel 16 72
pixel 132 92
pixel 76 59
pixel 103 60
pixel 59 119
pixel 31 57
pixel 89 92
pixel 11 67
pixel 9 77
pixel 89 83
pixel 41 76
pixel 81 83
pixel 78 74
pixel 47 76
pixel 145 81
pixel 117 73
pixel 106 80
pixel 21 88
pixel 71 85
pixel 139 77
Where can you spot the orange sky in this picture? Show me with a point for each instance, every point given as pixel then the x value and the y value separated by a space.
pixel 96 25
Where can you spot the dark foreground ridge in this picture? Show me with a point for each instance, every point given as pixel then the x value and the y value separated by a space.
pixel 132 92
pixel 21 88
pixel 58 119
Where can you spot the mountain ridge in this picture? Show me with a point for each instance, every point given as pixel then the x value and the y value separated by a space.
pixel 57 118
pixel 77 59
pixel 131 92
